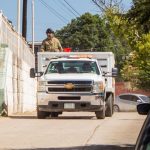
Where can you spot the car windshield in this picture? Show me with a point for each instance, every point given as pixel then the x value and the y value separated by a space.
pixel 72 67
pixel 145 98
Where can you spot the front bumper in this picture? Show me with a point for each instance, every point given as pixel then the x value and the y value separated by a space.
pixel 82 102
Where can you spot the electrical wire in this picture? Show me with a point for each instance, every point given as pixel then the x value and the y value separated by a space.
pixel 54 11
pixel 68 8
pixel 62 8
pixel 71 7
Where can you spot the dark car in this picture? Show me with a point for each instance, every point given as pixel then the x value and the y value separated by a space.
pixel 143 141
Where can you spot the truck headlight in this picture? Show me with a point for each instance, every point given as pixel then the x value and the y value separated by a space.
pixel 42 83
pixel 98 87
pixel 42 86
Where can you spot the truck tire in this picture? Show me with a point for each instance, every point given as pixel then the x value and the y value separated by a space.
pixel 54 114
pixel 109 106
pixel 100 114
pixel 42 114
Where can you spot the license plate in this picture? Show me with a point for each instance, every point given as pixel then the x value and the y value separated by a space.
pixel 69 106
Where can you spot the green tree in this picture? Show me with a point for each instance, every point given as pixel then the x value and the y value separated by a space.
pixel 137 68
pixel 140 13
pixel 123 34
pixel 132 31
pixel 85 32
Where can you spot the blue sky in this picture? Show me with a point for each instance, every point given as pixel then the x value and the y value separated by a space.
pixel 45 18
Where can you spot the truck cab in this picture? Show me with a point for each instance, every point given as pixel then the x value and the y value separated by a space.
pixel 72 83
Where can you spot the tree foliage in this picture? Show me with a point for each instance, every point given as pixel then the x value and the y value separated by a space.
pixel 140 13
pixel 124 34
pixel 137 68
pixel 132 31
pixel 85 32
pixel 92 32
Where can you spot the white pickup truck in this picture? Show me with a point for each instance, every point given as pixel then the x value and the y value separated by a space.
pixel 74 81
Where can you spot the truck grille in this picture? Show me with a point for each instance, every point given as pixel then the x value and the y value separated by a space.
pixel 78 86
pixel 69 97
pixel 76 89
pixel 73 82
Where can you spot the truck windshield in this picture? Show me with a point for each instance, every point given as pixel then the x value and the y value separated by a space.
pixel 72 67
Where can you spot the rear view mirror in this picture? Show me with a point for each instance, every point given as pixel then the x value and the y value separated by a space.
pixel 139 101
pixel 114 72
pixel 45 66
pixel 143 108
pixel 32 73
pixel 39 74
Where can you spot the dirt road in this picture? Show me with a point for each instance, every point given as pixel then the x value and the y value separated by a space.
pixel 71 131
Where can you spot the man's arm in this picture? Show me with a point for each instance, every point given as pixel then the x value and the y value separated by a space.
pixel 60 47
pixel 43 47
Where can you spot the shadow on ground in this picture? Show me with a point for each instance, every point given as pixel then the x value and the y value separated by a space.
pixel 59 118
pixel 22 117
pixel 91 147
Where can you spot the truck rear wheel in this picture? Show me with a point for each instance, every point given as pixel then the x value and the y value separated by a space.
pixel 109 106
pixel 100 114
pixel 42 114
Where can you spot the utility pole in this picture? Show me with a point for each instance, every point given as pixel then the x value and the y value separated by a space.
pixel 17 101
pixel 24 19
pixel 33 26
pixel 18 17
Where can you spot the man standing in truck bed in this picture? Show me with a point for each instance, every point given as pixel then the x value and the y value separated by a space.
pixel 51 44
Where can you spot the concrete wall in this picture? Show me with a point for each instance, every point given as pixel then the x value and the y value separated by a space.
pixel 20 89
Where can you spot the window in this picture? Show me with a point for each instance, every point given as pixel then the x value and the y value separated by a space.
pixel 145 98
pixel 72 66
pixel 125 97
pixel 134 98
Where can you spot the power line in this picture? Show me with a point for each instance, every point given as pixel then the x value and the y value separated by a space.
pixel 54 11
pixel 62 8
pixel 68 8
pixel 71 7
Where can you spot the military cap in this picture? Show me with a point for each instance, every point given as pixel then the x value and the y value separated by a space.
pixel 49 30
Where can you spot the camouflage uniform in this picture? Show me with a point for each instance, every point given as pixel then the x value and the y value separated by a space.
pixel 51 45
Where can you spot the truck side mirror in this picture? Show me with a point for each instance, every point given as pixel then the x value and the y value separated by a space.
pixel 32 73
pixel 114 72
pixel 39 74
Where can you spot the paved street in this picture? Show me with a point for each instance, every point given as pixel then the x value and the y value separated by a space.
pixel 71 131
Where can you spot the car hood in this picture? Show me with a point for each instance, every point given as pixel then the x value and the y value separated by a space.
pixel 84 76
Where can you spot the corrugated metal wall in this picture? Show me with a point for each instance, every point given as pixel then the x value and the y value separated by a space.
pixel 17 89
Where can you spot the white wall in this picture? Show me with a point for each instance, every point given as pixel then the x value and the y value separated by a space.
pixel 20 89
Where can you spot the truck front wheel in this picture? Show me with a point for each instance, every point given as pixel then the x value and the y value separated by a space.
pixel 109 106
pixel 100 114
pixel 42 114
pixel 54 114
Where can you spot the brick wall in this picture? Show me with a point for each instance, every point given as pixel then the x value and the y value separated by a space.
pixel 124 87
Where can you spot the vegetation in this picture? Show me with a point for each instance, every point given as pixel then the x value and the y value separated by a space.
pixel 125 34
pixel 84 33
pixel 140 14
pixel 137 68
pixel 133 31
